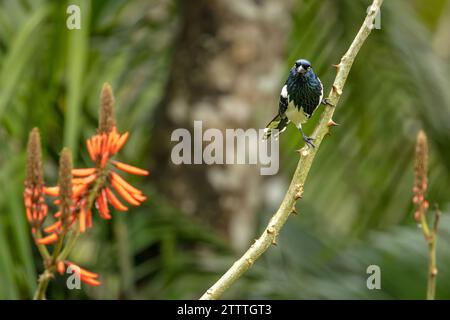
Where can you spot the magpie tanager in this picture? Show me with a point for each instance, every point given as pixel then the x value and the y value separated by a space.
pixel 300 96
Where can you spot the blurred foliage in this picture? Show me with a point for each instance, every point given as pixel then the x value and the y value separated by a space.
pixel 356 209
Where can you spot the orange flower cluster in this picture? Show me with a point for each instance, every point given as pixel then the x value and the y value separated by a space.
pixel 102 178
pixel 78 191
pixel 35 207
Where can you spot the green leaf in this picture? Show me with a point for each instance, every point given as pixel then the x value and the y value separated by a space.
pixel 76 64
pixel 19 53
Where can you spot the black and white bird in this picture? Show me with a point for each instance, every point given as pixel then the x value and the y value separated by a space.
pixel 300 96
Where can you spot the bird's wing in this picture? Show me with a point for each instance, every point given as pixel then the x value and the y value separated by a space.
pixel 313 101
pixel 284 101
pixel 280 121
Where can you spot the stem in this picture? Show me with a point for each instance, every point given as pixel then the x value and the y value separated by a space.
pixel 70 244
pixel 424 226
pixel 45 277
pixel 43 281
pixel 60 253
pixel 432 266
pixel 50 267
pixel 432 270
pixel 307 156
pixel 42 248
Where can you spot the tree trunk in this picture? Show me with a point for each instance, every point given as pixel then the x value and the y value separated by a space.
pixel 227 72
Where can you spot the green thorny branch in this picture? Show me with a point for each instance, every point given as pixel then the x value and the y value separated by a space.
pixel 307 156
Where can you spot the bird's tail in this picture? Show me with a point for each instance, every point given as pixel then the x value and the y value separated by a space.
pixel 279 123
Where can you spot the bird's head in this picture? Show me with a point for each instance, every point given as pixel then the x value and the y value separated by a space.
pixel 302 66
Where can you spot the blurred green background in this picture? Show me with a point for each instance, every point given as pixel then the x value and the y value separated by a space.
pixel 171 62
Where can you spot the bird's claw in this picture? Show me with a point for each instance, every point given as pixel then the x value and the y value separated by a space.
pixel 327 102
pixel 309 141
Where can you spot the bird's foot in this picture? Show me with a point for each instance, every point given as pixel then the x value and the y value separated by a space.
pixel 309 141
pixel 327 102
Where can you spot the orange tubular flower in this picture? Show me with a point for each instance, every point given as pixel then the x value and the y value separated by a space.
pixel 83 172
pixel 54 227
pixel 51 191
pixel 48 239
pixel 60 267
pixel 130 169
pixel 82 220
pixel 85 275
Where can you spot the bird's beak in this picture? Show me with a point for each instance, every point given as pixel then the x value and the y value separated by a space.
pixel 300 70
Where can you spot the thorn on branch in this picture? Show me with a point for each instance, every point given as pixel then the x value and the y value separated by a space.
pixel 303 152
pixel 270 230
pixel 331 123
pixel 434 272
pixel 337 90
pixel 294 210
pixel 274 241
pixel 298 192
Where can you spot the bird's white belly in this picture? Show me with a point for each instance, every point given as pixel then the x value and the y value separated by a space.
pixel 296 116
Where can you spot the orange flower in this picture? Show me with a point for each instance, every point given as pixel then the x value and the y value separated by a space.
pixel 103 145
pixel 54 227
pixel 60 267
pixel 101 148
pixel 52 238
pixel 86 276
